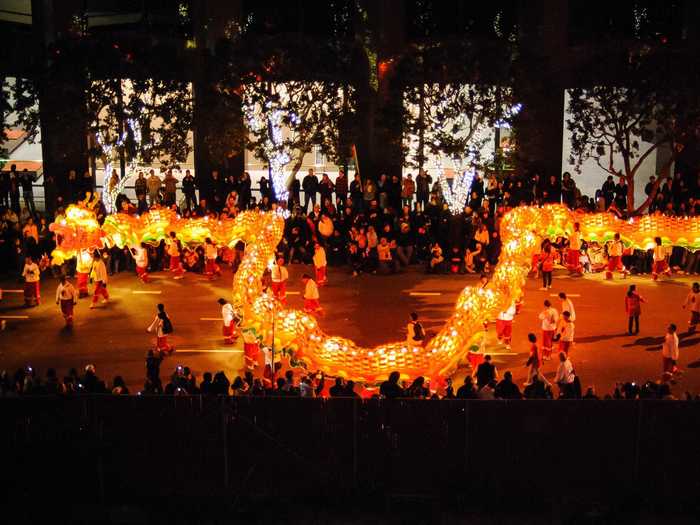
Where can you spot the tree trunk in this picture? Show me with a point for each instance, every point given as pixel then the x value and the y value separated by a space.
pixel 421 127
pixel 630 193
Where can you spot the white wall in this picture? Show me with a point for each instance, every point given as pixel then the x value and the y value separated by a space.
pixel 592 176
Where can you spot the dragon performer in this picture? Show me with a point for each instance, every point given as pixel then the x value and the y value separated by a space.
pixel 522 230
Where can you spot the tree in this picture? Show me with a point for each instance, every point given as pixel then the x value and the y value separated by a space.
pixel 287 119
pixel 633 120
pixel 453 120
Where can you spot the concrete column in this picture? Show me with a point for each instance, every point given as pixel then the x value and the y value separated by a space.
pixel 543 76
pixel 210 18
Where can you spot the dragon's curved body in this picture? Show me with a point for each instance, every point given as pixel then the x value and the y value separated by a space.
pixel 521 232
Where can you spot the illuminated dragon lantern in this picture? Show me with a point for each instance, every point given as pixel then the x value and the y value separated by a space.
pixel 522 230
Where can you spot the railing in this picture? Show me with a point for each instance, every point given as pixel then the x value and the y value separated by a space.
pixel 121 447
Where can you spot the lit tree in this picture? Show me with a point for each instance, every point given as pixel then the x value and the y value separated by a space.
pixel 632 121
pixel 453 120
pixel 285 120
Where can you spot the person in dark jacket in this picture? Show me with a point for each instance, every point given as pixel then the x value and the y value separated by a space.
pixel 506 389
pixel 485 372
pixel 189 189
pixel 310 186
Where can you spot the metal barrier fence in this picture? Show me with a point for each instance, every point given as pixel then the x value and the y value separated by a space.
pixel 108 448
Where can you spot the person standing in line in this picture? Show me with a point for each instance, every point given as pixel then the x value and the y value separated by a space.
pixel 66 298
pixel 140 185
pixel 230 319
pixel 32 277
pixel 565 332
pixel 174 253
pixel 633 309
pixel 341 189
pixel 140 254
pixel 310 186
pixel 170 185
pixel 660 261
pixel 574 252
pixel 154 184
pixel 565 377
pixel 312 304
pixel 99 275
pixel 547 264
pixel 692 302
pixel 567 305
pixel 189 189
pixel 408 188
pixel 162 326
pixel 504 325
pixel 669 351
pixel 320 264
pixel 549 317
pixel 27 180
pixel 211 252
pixel 279 276
pixel 615 249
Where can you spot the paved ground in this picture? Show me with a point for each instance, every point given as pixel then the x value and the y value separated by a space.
pixel 369 309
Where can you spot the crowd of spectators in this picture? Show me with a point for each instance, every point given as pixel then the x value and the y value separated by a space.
pixel 372 226
pixel 183 382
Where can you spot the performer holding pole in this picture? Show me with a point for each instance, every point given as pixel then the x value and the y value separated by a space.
pixel 174 253
pixel 230 320
pixel 99 275
pixel 615 249
pixel 660 260
pixel 140 255
pixel 210 254
pixel 83 269
pixel 32 275
pixel 312 304
pixel 574 253
pixel 66 298
pixel 280 275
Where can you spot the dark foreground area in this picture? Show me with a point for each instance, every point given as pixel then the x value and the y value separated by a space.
pixel 210 460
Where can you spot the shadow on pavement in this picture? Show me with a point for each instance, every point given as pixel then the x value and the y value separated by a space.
pixel 597 338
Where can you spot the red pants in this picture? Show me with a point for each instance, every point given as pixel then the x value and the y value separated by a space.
pixel 615 263
pixel 321 275
pixel 210 267
pixel 564 346
pixel 67 310
pixel 572 260
pixel 311 305
pixel 142 274
pixel 279 289
pixel 162 344
pixel 82 284
pixel 660 267
pixel 230 334
pixel 251 352
pixel 504 329
pixel 100 290
pixel 547 341
pixel 669 365
pixel 175 265
pixel 31 293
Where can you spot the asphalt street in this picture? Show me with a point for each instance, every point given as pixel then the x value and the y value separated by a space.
pixel 370 309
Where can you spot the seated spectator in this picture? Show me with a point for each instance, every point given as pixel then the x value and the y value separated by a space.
pixel 507 389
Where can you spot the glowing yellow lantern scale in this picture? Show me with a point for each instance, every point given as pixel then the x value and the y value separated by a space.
pixel 522 230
